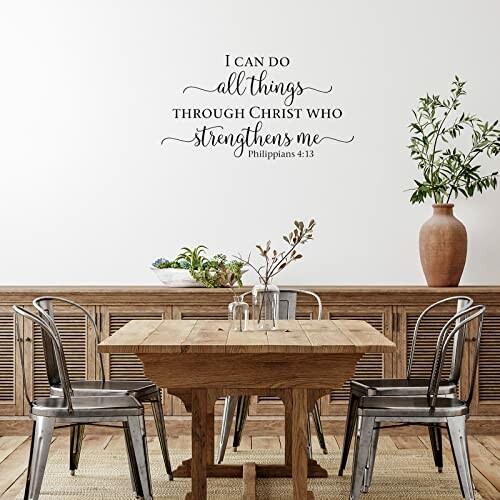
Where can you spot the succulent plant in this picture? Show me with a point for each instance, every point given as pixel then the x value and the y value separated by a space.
pixel 215 272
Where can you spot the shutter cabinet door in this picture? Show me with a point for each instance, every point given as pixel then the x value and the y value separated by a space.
pixel 11 385
pixel 371 365
pixel 426 343
pixel 78 344
pixel 129 366
pixel 486 397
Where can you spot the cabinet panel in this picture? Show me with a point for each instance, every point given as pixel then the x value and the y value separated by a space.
pixel 487 388
pixel 11 392
pixel 202 311
pixel 425 347
pixel 371 365
pixel 78 344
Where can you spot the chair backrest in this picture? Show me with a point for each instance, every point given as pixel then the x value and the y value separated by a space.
pixel 51 337
pixel 45 307
pixel 462 303
pixel 456 326
pixel 288 302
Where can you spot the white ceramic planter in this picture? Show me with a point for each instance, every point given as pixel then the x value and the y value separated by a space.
pixel 176 278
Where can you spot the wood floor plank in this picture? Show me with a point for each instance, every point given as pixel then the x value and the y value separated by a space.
pixel 96 441
pixel 385 443
pixel 484 450
pixel 15 488
pixel 491 443
pixel 116 443
pixel 180 442
pixel 17 462
pixel 8 444
pixel 332 443
pixel 266 443
pixel 245 444
pixel 14 466
pixel 407 442
pixel 485 461
pixel 483 485
pixel 58 443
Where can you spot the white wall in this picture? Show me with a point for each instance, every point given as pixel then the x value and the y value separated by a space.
pixel 88 196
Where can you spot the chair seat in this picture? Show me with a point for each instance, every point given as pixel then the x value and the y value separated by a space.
pixel 398 387
pixel 91 406
pixel 411 406
pixel 81 388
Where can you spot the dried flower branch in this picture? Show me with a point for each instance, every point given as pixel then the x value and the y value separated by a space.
pixel 275 261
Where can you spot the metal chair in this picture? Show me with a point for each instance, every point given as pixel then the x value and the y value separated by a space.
pixel 143 391
pixel 432 409
pixel 75 411
pixel 240 404
pixel 408 386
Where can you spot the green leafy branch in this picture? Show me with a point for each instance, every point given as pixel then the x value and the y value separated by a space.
pixel 446 170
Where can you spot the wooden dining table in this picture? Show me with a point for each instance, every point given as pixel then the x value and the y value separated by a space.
pixel 202 360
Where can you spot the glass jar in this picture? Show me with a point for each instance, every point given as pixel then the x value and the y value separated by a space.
pixel 239 314
pixel 265 306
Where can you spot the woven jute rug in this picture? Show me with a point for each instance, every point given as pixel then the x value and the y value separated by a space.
pixel 401 474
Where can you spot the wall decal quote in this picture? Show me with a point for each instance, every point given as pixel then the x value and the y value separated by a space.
pixel 250 77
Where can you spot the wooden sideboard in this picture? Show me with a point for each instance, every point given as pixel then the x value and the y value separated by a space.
pixel 392 310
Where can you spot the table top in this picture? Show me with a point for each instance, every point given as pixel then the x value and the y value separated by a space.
pixel 215 336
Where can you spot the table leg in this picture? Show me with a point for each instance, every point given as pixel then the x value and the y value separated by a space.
pixel 199 444
pixel 299 444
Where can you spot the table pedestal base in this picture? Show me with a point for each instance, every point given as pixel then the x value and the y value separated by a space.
pixel 268 470
pixel 298 403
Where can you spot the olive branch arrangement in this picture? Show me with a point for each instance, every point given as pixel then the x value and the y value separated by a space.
pixel 275 261
pixel 447 171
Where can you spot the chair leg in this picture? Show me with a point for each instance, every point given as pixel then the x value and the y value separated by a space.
pixel 458 440
pixel 350 426
pixel 361 453
pixel 368 475
pixel 28 471
pixel 42 436
pixel 75 446
pixel 138 438
pixel 319 428
pixel 309 437
pixel 241 417
pixel 159 417
pixel 227 420
pixel 132 464
pixel 437 446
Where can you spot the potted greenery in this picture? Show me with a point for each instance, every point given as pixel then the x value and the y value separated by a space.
pixel 448 172
pixel 192 268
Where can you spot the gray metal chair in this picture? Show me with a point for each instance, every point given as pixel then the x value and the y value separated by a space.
pixel 408 386
pixel 240 404
pixel 143 391
pixel 75 411
pixel 432 409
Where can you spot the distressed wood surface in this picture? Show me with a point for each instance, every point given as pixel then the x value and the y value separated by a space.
pixel 215 337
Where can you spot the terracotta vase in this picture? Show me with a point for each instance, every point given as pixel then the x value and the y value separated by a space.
pixel 443 247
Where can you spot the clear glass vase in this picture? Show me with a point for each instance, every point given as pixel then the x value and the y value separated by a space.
pixel 238 312
pixel 265 306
